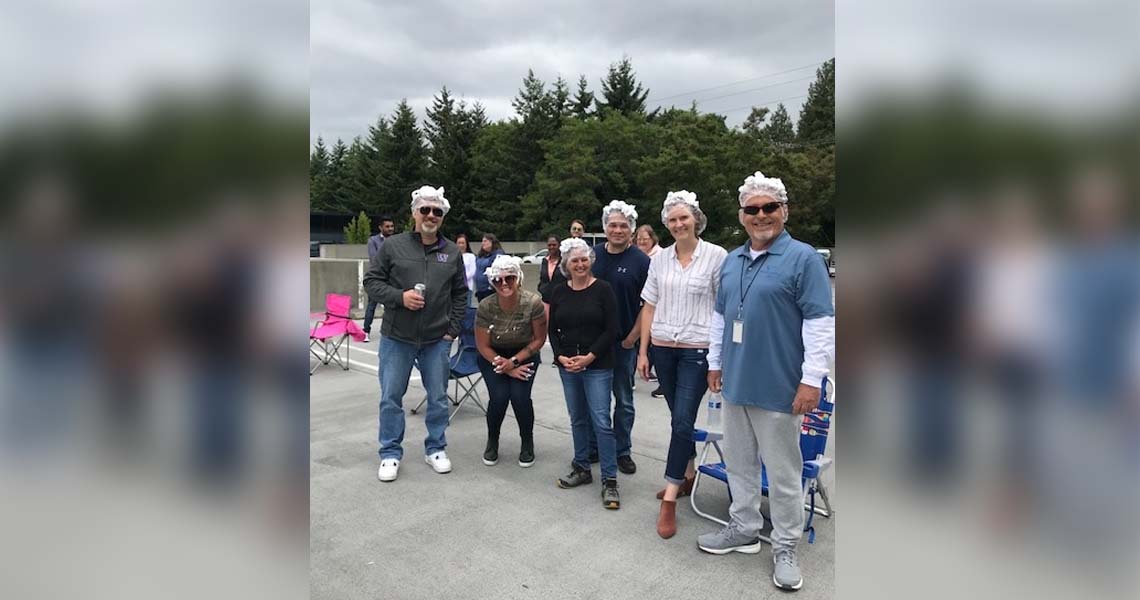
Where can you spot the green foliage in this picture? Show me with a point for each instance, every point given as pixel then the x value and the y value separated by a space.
pixel 358 230
pixel 557 160
pixel 817 119
pixel 622 92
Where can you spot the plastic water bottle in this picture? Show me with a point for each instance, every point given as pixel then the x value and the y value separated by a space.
pixel 419 287
pixel 714 423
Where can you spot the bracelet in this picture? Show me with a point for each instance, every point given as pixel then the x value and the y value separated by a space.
pixel 515 361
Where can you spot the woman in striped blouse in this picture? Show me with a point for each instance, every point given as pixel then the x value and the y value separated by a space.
pixel 678 304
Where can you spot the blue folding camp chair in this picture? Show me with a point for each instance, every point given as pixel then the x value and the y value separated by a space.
pixel 464 369
pixel 813 443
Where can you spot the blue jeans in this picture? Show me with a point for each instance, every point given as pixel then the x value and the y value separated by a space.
pixel 625 363
pixel 588 402
pixel 683 375
pixel 369 314
pixel 395 369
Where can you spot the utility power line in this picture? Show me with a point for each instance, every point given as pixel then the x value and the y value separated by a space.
pixel 717 87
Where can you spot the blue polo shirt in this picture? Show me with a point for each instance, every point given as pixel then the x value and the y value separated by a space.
pixel 780 289
pixel 626 273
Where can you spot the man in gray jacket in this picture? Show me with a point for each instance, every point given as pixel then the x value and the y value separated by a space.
pixel 418 276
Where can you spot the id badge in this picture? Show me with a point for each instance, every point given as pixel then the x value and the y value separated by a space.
pixel 738 332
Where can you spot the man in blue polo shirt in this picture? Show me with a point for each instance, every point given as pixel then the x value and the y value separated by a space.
pixel 620 263
pixel 772 342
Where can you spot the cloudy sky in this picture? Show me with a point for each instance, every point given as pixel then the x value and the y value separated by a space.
pixel 366 55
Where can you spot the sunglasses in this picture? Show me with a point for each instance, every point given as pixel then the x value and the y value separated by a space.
pixel 425 210
pixel 768 208
pixel 509 280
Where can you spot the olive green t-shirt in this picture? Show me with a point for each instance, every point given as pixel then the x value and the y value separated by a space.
pixel 509 330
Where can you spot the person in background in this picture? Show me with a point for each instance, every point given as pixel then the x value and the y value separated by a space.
pixel 468 265
pixel 771 345
pixel 679 295
pixel 647 240
pixel 625 267
pixel 488 250
pixel 387 228
pixel 583 326
pixel 418 277
pixel 577 228
pixel 510 330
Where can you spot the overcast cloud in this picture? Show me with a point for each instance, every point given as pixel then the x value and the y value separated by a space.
pixel 366 55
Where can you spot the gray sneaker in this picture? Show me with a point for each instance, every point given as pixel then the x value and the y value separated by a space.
pixel 786 575
pixel 728 539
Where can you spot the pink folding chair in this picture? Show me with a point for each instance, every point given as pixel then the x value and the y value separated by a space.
pixel 333 329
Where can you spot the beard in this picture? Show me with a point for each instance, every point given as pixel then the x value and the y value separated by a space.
pixel 429 227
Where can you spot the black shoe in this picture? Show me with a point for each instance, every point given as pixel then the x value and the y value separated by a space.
pixel 626 465
pixel 491 454
pixel 610 497
pixel 526 454
pixel 593 457
pixel 657 393
pixel 577 477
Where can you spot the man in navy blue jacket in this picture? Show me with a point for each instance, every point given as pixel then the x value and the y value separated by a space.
pixel 387 228
pixel 625 267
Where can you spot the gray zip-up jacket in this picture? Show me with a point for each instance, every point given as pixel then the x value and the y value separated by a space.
pixel 403 262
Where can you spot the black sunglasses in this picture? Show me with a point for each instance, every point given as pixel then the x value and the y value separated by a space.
pixel 424 210
pixel 509 279
pixel 768 208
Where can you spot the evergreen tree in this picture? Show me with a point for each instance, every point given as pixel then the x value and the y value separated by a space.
pixel 621 90
pixel 583 100
pixel 559 100
pixel 358 230
pixel 318 177
pixel 403 163
pixel 452 130
pixel 779 129
pixel 817 119
pixel 337 172
pixel 753 125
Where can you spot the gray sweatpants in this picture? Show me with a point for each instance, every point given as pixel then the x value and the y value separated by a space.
pixel 753 436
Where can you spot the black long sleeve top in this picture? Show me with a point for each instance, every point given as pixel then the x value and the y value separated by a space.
pixel 584 321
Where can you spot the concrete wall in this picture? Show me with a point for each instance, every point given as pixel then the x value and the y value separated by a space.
pixel 344 251
pixel 344 276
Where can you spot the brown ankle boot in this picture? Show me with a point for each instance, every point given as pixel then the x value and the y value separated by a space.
pixel 686 489
pixel 667 519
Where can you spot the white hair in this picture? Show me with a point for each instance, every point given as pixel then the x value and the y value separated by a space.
pixel 570 246
pixel 504 265
pixel 617 206
pixel 428 194
pixel 759 185
pixel 689 200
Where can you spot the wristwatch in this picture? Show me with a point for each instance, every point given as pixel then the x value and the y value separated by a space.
pixel 515 361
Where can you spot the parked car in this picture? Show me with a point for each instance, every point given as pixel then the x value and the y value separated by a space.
pixel 828 261
pixel 536 258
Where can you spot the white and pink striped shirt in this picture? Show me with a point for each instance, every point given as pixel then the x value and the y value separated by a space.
pixel 683 297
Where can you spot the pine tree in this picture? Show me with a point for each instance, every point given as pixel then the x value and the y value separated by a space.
pixel 621 91
pixel 318 177
pixel 817 119
pixel 779 129
pixel 403 163
pixel 337 175
pixel 583 100
pixel 452 130
pixel 559 100
pixel 358 230
pixel 753 125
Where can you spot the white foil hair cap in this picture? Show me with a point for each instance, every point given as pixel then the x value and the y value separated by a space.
pixel 504 265
pixel 686 198
pixel 759 185
pixel 569 245
pixel 430 194
pixel 618 206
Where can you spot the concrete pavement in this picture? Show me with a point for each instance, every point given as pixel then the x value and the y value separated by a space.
pixel 504 531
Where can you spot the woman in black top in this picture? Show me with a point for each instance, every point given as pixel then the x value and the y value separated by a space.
pixel 583 327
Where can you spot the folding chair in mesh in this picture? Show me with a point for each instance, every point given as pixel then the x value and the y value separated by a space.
pixel 463 369
pixel 813 443
pixel 333 329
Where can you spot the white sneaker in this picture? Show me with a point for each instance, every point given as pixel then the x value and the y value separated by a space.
pixel 439 462
pixel 389 469
pixel 367 337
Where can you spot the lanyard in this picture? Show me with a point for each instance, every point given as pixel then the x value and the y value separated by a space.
pixel 744 293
